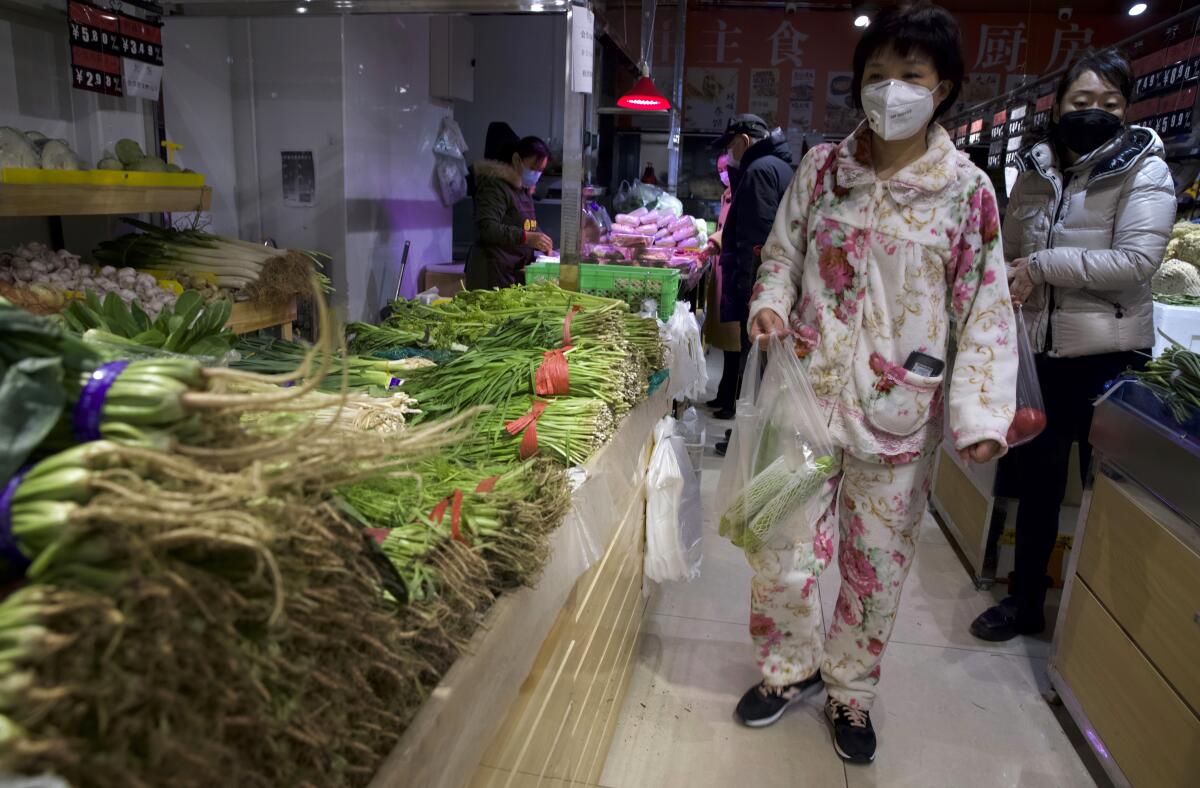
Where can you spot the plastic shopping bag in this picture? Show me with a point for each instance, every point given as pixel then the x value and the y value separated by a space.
pixel 780 451
pixel 685 354
pixel 1030 418
pixel 673 515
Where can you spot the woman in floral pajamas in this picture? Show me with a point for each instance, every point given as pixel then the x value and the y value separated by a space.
pixel 878 244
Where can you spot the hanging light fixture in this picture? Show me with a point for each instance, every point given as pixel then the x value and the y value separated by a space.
pixel 644 95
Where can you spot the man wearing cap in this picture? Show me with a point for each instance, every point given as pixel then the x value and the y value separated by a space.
pixel 760 170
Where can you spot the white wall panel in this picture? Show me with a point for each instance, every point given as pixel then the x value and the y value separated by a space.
pixel 297 82
pixel 390 124
pixel 198 104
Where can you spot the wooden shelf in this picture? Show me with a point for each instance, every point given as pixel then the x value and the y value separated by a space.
pixel 19 199
pixel 247 317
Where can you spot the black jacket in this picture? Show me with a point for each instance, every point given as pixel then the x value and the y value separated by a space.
pixel 503 214
pixel 758 186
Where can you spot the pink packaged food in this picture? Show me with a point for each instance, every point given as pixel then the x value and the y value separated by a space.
pixel 681 223
pixel 627 219
pixel 663 232
pixel 668 242
pixel 640 212
pixel 629 239
pixel 690 243
pixel 665 219
pixel 685 233
pixel 648 229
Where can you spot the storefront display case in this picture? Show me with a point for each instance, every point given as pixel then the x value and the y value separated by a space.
pixel 1127 640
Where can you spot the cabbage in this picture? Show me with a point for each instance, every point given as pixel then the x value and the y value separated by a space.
pixel 15 150
pixel 57 155
pixel 129 152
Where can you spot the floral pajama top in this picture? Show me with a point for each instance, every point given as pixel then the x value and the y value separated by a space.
pixel 867 272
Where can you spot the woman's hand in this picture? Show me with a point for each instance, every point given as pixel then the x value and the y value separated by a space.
pixel 980 453
pixel 765 323
pixel 540 241
pixel 1020 284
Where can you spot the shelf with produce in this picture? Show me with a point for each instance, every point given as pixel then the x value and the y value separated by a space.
pixel 55 199
pixel 282 538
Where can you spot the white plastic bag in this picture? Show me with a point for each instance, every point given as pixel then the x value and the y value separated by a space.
pixel 780 451
pixel 673 515
pixel 450 162
pixel 685 354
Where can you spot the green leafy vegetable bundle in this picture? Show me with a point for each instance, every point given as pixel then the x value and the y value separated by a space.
pixel 189 327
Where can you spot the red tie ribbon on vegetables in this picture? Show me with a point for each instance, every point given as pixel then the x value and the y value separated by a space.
pixel 439 514
pixel 553 376
pixel 455 503
pixel 528 424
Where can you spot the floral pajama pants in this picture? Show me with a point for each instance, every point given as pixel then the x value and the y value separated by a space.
pixel 877 510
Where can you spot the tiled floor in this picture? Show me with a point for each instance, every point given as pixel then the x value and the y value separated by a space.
pixel 952 711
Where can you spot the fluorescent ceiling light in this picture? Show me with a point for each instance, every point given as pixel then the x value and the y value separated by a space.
pixel 862 20
pixel 1137 9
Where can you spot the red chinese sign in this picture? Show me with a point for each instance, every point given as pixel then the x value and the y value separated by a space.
pixel 813 50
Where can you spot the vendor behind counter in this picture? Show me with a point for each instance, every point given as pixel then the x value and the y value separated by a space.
pixel 507 236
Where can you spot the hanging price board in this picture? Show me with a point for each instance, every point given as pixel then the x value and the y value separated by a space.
pixel 141 40
pixel 95 49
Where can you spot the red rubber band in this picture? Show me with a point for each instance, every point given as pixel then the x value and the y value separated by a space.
pixel 528 425
pixel 488 484
pixel 553 376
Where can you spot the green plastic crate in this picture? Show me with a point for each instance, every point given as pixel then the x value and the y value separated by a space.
pixel 629 283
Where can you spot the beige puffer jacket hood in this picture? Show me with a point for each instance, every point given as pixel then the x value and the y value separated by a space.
pixel 1094 244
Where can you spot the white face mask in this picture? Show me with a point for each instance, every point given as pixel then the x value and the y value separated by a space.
pixel 897 110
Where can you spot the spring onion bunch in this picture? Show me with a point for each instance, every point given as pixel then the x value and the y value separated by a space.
pixel 235 264
pixel 505 515
pixel 569 430
pixel 494 376
pixel 358 373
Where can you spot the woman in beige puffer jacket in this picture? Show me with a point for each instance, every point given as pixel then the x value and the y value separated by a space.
pixel 1084 232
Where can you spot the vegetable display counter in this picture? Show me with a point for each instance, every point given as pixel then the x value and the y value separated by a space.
pixel 534 700
pixel 1127 641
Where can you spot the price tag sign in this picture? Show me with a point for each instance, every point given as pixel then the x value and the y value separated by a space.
pixel 976 132
pixel 999 120
pixel 95 49
pixel 141 40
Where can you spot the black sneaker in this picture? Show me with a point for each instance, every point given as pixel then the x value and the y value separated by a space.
pixel 724 414
pixel 763 704
pixel 721 448
pixel 716 404
pixel 853 735
pixel 1002 622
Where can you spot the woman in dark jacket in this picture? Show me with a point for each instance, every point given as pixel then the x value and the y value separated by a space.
pixel 1084 232
pixel 506 234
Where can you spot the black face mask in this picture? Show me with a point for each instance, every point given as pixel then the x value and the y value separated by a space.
pixel 1087 129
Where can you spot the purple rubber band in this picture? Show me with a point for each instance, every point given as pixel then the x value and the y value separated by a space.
pixel 8 542
pixel 86 417
pixel 395 382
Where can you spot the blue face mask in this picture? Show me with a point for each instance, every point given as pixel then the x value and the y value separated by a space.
pixel 529 178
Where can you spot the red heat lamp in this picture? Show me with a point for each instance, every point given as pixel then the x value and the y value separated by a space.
pixel 644 96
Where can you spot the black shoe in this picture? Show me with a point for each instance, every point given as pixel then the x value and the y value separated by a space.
pixel 724 414
pixel 716 404
pixel 721 448
pixel 728 433
pixel 763 704
pixel 1002 622
pixel 853 734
